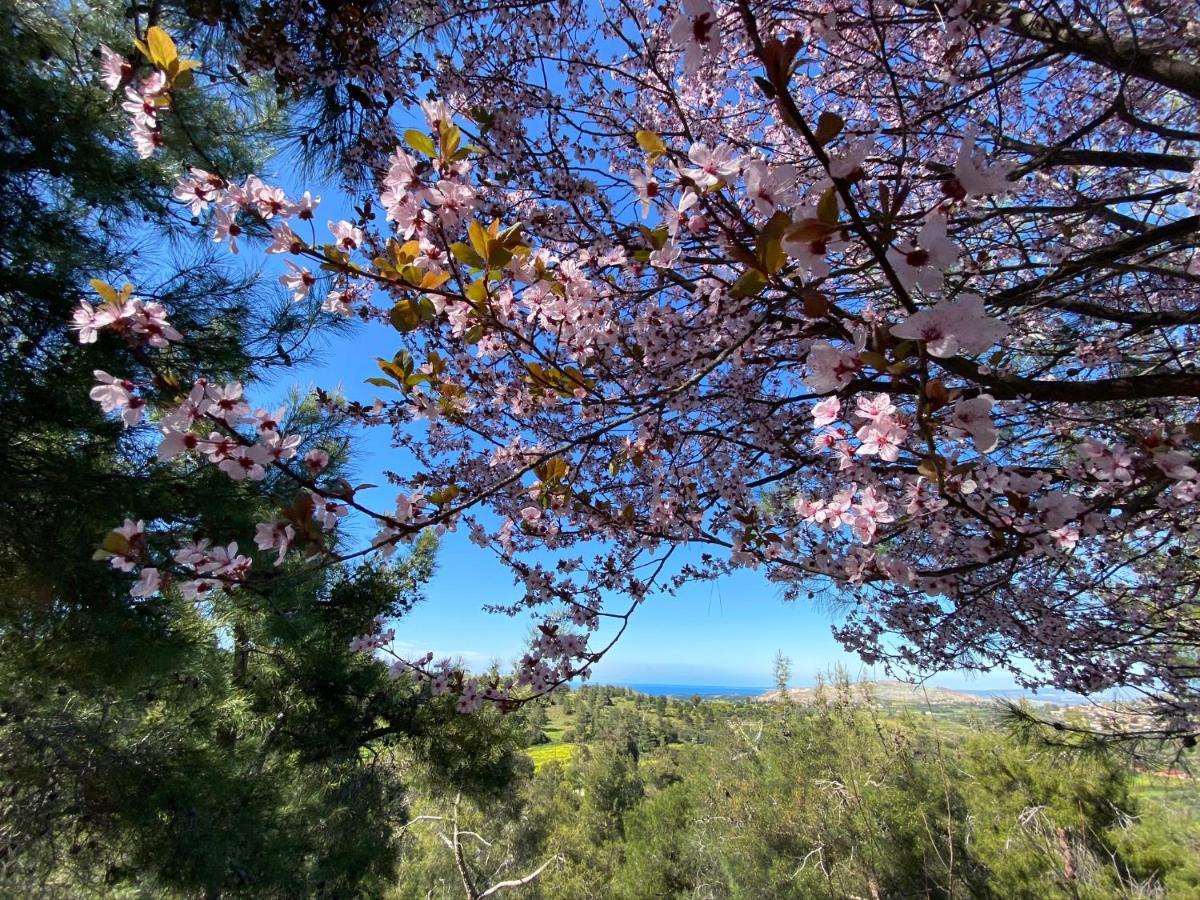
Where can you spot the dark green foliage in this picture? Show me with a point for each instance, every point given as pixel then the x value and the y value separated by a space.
pixel 152 747
pixel 834 799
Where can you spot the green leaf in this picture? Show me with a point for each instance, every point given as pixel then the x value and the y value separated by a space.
pixel 420 141
pixel 829 126
pixel 466 255
pixel 828 207
pixel 750 284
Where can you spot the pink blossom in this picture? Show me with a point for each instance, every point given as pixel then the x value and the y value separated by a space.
pixel 327 512
pixel 711 166
pixel 830 369
pixel 149 582
pixel 698 33
pixel 1175 464
pixel 876 408
pixel 921 263
pixel 284 240
pixel 245 463
pixel 116 394
pixel 346 236
pixel 114 69
pixel 852 158
pixel 197 589
pixel 305 207
pixel 299 280
pixel 88 320
pixel 974 416
pixel 274 536
pixel 227 403
pixel 770 187
pixel 198 190
pixel 279 447
pixel 646 185
pixel 973 176
pixel 226 228
pixel 953 326
pixel 316 461
pixel 176 442
pixel 826 412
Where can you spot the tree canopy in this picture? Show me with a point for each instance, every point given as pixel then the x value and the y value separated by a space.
pixel 895 301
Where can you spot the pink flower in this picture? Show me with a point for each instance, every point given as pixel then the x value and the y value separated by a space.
pixel 268 422
pixel 197 590
pixel 953 326
pixel 830 369
pixel 826 412
pixel 665 256
pixel 883 438
pixel 284 240
pixel 269 201
pixel 304 208
pixel 299 280
pixel 227 403
pixel 1175 464
pixel 113 68
pixel 274 536
pixel 176 442
pixel 770 187
pixel 645 184
pixel 146 140
pixel 149 582
pixel 711 166
pixel 974 416
pixel 437 113
pixel 697 32
pixel 280 447
pixel 198 190
pixel 116 394
pixel 327 512
pixel 316 461
pixel 150 321
pixel 348 237
pixel 226 228
pixel 852 158
pixel 873 408
pixel 923 262
pixel 470 700
pixel 973 177
pixel 88 320
pixel 245 463
pixel 453 200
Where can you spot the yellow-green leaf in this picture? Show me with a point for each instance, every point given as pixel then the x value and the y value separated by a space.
pixel 419 141
pixel 827 208
pixel 106 291
pixel 161 47
pixel 651 143
pixel 750 284
pixel 829 126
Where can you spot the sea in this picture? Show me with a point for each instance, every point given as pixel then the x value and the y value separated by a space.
pixel 709 691
pixel 738 691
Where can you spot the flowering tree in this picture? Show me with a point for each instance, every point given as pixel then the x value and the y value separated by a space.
pixel 892 299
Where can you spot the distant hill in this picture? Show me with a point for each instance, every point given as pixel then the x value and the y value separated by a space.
pixel 885 692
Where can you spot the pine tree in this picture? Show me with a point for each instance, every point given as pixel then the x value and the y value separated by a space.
pixel 234 748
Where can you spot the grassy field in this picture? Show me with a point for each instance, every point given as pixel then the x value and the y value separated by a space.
pixel 543 754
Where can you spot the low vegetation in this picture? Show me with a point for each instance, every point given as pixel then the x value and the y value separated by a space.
pixel 632 796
